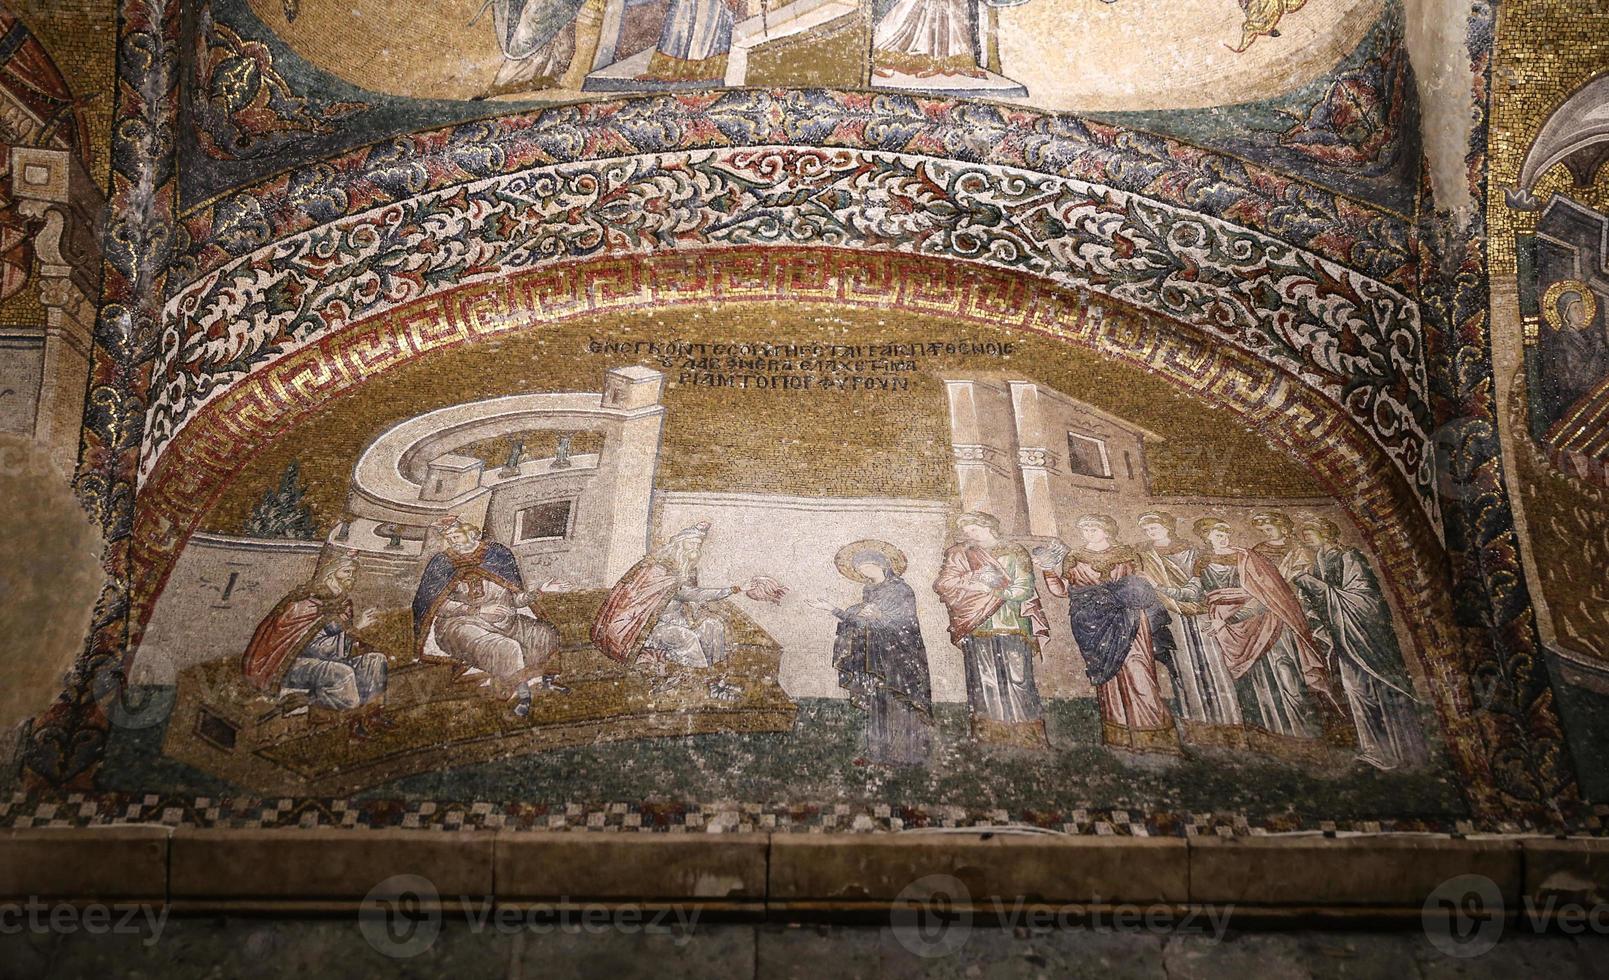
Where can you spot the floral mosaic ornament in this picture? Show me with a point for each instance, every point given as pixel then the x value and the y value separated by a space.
pixel 1350 336
pixel 1350 232
pixel 244 106
pixel 68 741
pixel 1507 678
pixel 1358 121
pixel 1499 693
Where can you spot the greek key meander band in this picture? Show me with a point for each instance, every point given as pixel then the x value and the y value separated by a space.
pixel 1353 338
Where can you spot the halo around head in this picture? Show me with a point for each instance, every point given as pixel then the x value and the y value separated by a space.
pixel 845 558
pixel 1556 291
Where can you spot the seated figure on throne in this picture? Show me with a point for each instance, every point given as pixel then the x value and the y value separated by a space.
pixel 307 645
pixel 657 613
pixel 468 609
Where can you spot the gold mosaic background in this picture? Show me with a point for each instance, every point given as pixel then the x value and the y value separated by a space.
pixel 828 444
pixel 81 37
pixel 1544 52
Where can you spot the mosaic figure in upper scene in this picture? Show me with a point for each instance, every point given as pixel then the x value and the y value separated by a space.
pixel 1570 390
pixel 1581 354
pixel 940 45
pixel 1564 298
pixel 1121 630
pixel 1262 630
pixel 1060 55
pixel 987 586
pixel 658 613
pixel 880 657
pixel 1561 402
pixel 690 46
pixel 538 42
pixel 694 42
pixel 1202 685
pixel 926 38
pixel 308 645
pixel 472 606
pixel 1354 618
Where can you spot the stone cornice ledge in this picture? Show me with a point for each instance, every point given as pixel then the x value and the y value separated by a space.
pixel 786 875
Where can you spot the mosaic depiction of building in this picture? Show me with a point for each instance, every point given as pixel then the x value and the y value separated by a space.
pixel 675 412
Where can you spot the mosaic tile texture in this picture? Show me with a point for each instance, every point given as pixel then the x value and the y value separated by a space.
pixel 689 417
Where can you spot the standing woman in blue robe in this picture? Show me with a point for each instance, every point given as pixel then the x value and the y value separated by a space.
pixel 880 657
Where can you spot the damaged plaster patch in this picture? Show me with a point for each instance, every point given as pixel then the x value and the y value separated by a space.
pixel 1438 48
pixel 50 578
pixel 707 885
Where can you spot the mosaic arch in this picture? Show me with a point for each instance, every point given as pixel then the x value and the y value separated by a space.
pixel 236 423
pixel 1353 336
pixel 281 403
pixel 1187 509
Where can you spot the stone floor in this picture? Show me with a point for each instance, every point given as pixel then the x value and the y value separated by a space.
pixel 337 947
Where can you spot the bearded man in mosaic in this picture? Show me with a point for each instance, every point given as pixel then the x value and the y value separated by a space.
pixel 308 644
pixel 987 586
pixel 658 612
pixel 1342 589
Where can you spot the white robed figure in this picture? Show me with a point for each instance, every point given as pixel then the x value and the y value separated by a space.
pixel 538 41
pixel 929 38
pixel 1203 686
